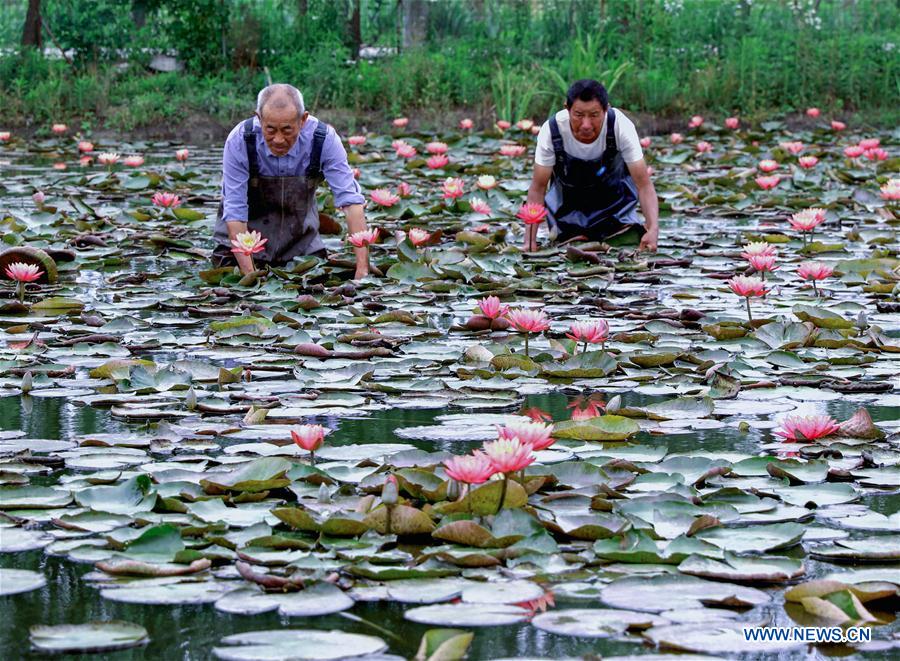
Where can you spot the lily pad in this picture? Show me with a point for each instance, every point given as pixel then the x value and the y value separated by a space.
pixel 105 636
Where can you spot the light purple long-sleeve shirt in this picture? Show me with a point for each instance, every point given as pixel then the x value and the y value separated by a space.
pixel 236 168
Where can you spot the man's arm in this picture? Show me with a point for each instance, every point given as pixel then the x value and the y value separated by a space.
pixel 347 193
pixel 356 222
pixel 540 179
pixel 235 176
pixel 649 203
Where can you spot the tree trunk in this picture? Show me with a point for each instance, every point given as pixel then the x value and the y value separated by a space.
pixel 415 22
pixel 355 30
pixel 302 7
pixel 31 34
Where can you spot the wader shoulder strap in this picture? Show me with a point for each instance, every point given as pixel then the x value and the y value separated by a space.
pixel 314 170
pixel 250 145
pixel 611 131
pixel 559 151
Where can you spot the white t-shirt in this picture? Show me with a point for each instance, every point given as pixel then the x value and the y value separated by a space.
pixel 626 140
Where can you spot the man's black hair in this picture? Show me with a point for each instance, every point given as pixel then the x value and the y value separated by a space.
pixel 587 89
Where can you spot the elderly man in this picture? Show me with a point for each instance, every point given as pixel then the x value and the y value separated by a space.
pixel 591 156
pixel 272 165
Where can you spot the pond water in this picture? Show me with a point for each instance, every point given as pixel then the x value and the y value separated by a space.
pixel 684 394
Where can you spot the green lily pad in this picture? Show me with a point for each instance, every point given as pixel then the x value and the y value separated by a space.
pixel 105 636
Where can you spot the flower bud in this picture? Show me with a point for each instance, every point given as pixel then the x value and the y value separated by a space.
pixel 389 492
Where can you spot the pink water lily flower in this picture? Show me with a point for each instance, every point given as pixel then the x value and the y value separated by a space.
pixel 491 307
pixel 508 455
pixel 405 150
pixel 527 320
pixel 453 188
pixel 524 124
pixel 696 122
pixel 133 161
pixel 536 434
pixel 39 198
pixel 5 136
pixel 383 197
pixel 418 236
pixel 870 143
pixel 748 287
pixel 768 182
pixel 181 154
pixel 356 140
pixel 767 165
pixel 437 161
pixel 400 122
pixel 436 147
pixel 758 248
pixel 512 151
pixel 704 146
pixel 812 112
pixel 814 271
pixel 85 146
pixel 878 154
pixel 592 331
pixel 166 200
pixel 503 125
pixel 84 161
pixel 808 219
pixel 532 213
pixel 891 190
pixel 486 182
pixel 794 147
pixel 21 272
pixel 309 438
pixel 107 158
pixel 807 162
pixel 364 238
pixel 248 243
pixel 59 128
pixel 475 468
pixel 809 428
pixel 732 123
pixel 837 126
pixel 763 263
pixel 676 138
pixel 466 124
pixel 853 151
pixel 478 205
pixel 645 142
pixel 404 189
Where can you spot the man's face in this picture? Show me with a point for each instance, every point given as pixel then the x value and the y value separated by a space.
pixel 586 119
pixel 281 127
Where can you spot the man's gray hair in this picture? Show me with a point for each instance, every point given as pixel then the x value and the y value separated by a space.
pixel 278 91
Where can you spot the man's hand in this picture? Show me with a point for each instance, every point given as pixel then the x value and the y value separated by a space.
pixel 540 179
pixel 649 240
pixel 356 222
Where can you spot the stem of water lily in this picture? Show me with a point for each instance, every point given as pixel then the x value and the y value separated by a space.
pixel 386 632
pixel 815 289
pixel 387 525
pixel 20 290
pixel 502 494
pixel 584 348
pixel 749 314
pixel 526 345
pixel 312 457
